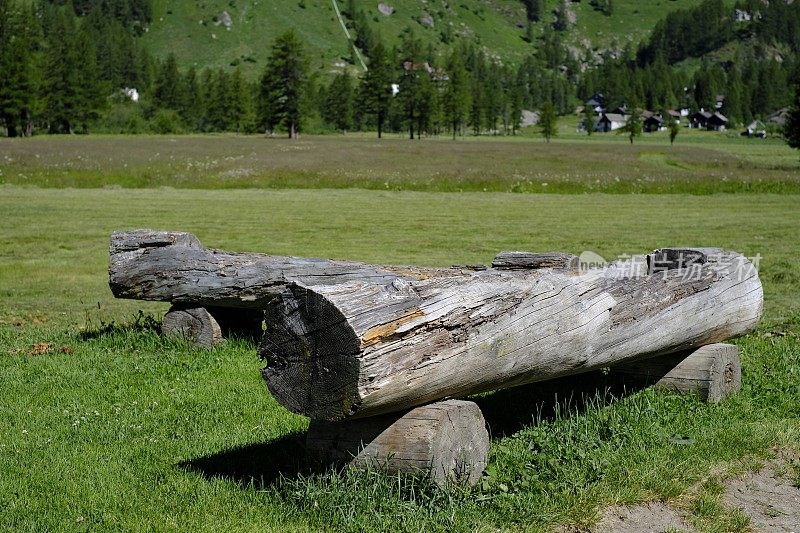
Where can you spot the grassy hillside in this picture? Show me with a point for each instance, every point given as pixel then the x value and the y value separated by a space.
pixel 189 29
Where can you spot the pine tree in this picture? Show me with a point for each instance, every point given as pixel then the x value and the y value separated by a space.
pixel 516 101
pixel 339 102
pixel 456 101
pixel 17 65
pixel 376 86
pixel 674 129
pixel 589 119
pixel 168 90
pixel 548 121
pixel 791 130
pixel 218 106
pixel 91 90
pixel 411 93
pixel 192 104
pixel 61 83
pixel 239 104
pixel 284 85
pixel 633 127
pixel 534 9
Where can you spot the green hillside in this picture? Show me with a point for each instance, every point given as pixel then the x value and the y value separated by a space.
pixel 193 31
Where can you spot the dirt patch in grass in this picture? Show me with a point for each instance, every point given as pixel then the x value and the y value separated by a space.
pixel 766 500
pixel 770 497
pixel 645 518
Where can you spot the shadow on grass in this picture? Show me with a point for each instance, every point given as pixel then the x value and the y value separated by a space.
pixel 506 412
pixel 510 410
pixel 258 465
pixel 142 323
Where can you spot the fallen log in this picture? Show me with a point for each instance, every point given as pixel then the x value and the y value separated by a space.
pixel 713 372
pixel 447 441
pixel 365 347
pixel 174 267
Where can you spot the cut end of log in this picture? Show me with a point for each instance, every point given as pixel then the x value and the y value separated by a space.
pixel 713 372
pixel 195 325
pixel 312 355
pixel 447 441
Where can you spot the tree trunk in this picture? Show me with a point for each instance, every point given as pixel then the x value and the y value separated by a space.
pixel 365 347
pixel 714 372
pixel 447 441
pixel 174 267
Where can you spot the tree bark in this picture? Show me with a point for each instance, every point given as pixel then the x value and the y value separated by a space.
pixel 447 441
pixel 363 347
pixel 713 372
pixel 174 267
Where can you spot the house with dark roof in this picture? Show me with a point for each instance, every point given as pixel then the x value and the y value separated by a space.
pixel 596 102
pixel 779 117
pixel 653 122
pixel 699 120
pixel 708 121
pixel 610 122
pixel 717 122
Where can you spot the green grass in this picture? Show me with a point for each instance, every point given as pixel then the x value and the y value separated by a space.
pixel 108 426
pixel 188 29
pixel 699 163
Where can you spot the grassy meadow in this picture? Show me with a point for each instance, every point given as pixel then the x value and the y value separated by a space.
pixel 699 163
pixel 108 426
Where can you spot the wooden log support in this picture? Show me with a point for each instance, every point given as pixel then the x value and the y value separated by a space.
pixel 364 347
pixel 174 267
pixel 530 260
pixel 196 325
pixel 446 440
pixel 714 372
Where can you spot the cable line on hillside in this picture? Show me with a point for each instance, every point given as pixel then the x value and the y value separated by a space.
pixel 347 34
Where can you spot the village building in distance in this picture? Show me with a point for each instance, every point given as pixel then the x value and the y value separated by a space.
pixel 607 120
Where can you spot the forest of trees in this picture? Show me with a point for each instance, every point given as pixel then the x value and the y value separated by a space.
pixel 68 67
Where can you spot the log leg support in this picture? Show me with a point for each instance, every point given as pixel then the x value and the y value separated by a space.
pixel 446 440
pixel 714 372
pixel 208 327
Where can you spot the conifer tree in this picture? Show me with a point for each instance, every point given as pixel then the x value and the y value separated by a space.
pixel 633 127
pixel 791 130
pixel 17 81
pixel 193 103
pixel 339 102
pixel 376 86
pixel 91 90
pixel 674 129
pixel 456 100
pixel 589 119
pixel 284 85
pixel 219 116
pixel 548 121
pixel 168 90
pixel 238 102
pixel 413 70
pixel 60 86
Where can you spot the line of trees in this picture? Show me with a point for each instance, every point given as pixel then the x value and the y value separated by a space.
pixel 71 67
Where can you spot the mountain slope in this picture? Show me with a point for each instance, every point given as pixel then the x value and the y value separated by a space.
pixel 194 31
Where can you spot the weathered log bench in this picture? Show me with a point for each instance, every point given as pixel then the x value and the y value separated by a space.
pixel 374 354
